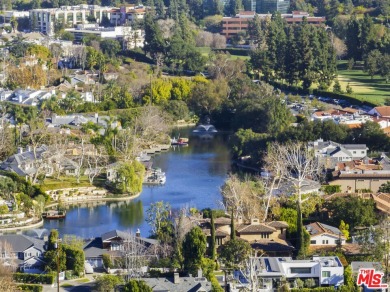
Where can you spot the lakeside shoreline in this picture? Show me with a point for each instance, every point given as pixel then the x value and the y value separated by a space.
pixel 99 199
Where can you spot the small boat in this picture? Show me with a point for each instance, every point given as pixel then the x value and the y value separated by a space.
pixel 54 214
pixel 179 142
pixel 156 177
pixel 203 129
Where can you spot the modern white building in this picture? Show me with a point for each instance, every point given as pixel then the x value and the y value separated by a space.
pixel 133 38
pixel 43 20
pixel 326 271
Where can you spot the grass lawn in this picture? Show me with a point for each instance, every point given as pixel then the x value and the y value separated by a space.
pixel 64 182
pixel 82 280
pixel 65 285
pixel 205 51
pixel 364 88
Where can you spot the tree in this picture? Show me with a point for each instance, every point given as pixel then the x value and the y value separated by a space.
pixel 234 253
pixel 352 210
pixel 154 41
pixel 106 283
pixel 136 286
pixel 109 47
pixel 298 164
pixel 14 23
pixel 212 235
pixel 74 258
pixel 157 216
pixel 384 188
pixel 8 189
pixel 344 228
pixel 372 62
pixel 194 248
pixel 372 243
pixel 337 87
pixel 130 176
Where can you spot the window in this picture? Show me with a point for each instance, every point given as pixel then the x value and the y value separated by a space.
pixel 325 274
pixel 325 241
pixel 264 235
pixel 363 152
pixel 354 152
pixel 313 242
pixel 300 270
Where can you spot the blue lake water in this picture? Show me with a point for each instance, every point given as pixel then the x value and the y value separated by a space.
pixel 194 177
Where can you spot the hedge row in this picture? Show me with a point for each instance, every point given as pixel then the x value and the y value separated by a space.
pixel 34 278
pixel 31 287
pixel 317 289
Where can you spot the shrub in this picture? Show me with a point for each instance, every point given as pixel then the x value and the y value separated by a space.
pixel 30 287
pixel 34 278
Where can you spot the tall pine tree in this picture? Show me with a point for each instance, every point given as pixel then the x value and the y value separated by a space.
pixel 212 234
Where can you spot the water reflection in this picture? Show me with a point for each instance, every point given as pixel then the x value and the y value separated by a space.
pixel 194 177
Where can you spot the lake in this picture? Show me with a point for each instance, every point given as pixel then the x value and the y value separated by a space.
pixel 194 177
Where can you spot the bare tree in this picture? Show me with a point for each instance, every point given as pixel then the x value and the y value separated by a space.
pixel 7 267
pixel 37 134
pixel 219 41
pixel 6 146
pixel 96 161
pixel 204 39
pixel 297 165
pixel 149 128
pixel 136 255
pixel 246 197
pixel 223 66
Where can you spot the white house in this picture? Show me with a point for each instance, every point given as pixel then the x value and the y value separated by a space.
pixel 323 234
pixel 338 152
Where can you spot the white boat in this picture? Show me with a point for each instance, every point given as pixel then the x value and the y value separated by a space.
pixel 143 157
pixel 203 129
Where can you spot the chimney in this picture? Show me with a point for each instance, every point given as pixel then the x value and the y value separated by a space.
pixel 240 220
pixel 20 98
pixel 20 150
pixel 29 148
pixel 176 278
pixel 138 233
pixel 200 275
pixel 97 118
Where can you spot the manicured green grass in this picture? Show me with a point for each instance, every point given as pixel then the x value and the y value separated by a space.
pixel 364 88
pixel 66 285
pixel 64 182
pixel 82 280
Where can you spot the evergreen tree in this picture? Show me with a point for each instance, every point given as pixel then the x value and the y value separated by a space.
pixel 154 41
pixel 212 234
pixel 232 227
pixel 352 39
pixel 292 58
pixel 194 248
pixel 173 11
pixel 160 9
pixel 306 56
pixel 233 7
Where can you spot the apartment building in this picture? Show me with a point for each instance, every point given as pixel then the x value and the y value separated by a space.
pixel 239 23
pixel 126 14
pixel 43 20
